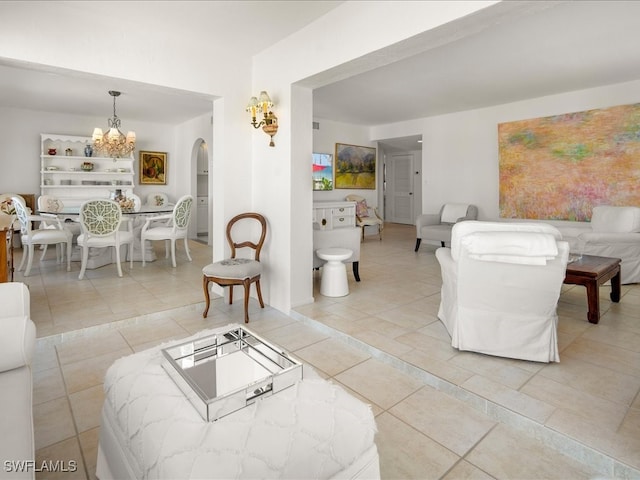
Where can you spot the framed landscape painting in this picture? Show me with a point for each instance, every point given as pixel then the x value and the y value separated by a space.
pixel 153 168
pixel 322 171
pixel 355 167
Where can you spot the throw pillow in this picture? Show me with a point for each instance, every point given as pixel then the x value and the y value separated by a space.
pixel 361 209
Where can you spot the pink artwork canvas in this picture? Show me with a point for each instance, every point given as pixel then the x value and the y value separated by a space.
pixel 560 167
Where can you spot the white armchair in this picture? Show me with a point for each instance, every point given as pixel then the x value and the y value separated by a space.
pixel 17 345
pixel 613 232
pixel 500 288
pixel 436 227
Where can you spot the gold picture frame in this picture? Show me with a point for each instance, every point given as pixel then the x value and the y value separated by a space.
pixel 153 168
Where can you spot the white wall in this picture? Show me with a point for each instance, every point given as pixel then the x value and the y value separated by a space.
pixel 20 139
pixel 460 150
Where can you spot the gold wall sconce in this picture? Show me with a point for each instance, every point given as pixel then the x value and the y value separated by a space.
pixel 269 122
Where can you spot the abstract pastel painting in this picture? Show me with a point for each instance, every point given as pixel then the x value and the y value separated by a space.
pixel 560 167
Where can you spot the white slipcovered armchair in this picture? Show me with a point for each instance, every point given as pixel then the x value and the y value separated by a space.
pixel 500 288
pixel 17 345
pixel 437 226
pixel 613 232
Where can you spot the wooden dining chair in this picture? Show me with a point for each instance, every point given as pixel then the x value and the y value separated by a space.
pixel 237 271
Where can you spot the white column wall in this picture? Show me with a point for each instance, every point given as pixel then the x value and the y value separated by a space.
pixel 313 52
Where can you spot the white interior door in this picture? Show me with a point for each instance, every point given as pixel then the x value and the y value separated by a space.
pixel 400 198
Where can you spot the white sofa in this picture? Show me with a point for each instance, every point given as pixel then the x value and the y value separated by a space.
pixel 17 344
pixel 500 288
pixel 436 227
pixel 347 237
pixel 612 232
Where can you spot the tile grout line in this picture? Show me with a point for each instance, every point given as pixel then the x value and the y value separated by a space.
pixel 560 442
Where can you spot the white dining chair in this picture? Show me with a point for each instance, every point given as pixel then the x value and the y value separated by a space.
pixel 39 236
pixel 173 226
pixel 101 220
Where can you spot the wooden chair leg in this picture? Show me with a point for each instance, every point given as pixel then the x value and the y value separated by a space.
pixel 259 293
pixel 418 240
pixel 247 284
pixel 205 286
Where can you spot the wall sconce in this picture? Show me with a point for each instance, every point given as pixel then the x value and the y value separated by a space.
pixel 269 123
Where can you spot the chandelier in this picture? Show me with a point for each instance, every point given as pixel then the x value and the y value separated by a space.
pixel 114 143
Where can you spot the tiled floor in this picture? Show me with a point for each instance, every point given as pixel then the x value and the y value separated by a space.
pixel 440 413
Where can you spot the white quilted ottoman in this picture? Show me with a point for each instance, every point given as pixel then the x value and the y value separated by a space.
pixel 311 430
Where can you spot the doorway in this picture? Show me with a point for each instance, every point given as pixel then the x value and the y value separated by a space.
pixel 399 197
pixel 402 178
pixel 202 193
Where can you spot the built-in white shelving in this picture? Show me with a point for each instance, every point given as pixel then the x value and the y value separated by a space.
pixel 62 176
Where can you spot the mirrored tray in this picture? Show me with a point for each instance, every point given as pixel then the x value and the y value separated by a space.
pixel 227 371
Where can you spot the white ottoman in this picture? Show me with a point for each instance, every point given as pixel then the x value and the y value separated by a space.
pixel 150 429
pixel 334 272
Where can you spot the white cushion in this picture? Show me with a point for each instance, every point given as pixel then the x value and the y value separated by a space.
pixel 615 219
pixel 512 243
pixel 462 229
pixel 234 268
pixel 17 342
pixel 453 211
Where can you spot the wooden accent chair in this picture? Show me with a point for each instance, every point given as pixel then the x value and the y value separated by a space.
pixel 237 271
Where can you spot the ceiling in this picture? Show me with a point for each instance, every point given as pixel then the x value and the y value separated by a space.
pixel 565 46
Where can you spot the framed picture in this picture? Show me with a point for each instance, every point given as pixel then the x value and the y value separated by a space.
pixel 355 167
pixel 153 168
pixel 322 171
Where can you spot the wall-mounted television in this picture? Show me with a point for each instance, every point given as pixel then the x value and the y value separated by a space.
pixel 322 171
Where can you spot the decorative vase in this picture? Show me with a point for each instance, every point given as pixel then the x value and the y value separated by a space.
pixel 88 150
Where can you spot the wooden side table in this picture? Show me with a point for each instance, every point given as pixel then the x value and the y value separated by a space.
pixel 592 271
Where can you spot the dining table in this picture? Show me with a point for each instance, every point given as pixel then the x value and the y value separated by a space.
pixel 132 218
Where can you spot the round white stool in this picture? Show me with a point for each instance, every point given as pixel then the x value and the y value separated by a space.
pixel 334 272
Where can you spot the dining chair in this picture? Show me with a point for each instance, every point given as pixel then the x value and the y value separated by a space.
pixel 100 220
pixel 237 271
pixel 157 199
pixel 174 226
pixel 52 205
pixel 39 236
